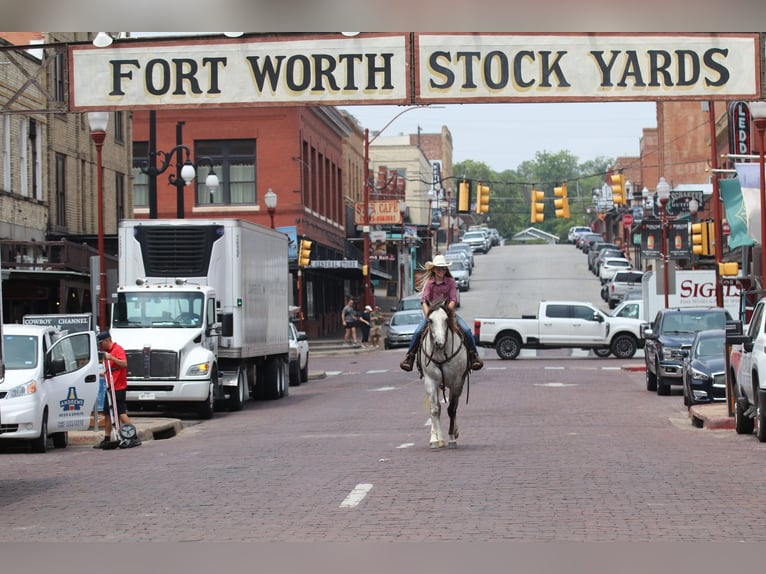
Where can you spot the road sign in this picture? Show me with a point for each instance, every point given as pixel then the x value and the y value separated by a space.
pixel 627 220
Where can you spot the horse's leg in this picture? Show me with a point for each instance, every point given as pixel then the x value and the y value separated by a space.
pixel 435 409
pixel 452 412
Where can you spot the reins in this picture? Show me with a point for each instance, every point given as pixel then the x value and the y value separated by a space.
pixel 430 358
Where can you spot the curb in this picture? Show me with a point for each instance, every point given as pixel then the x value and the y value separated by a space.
pixel 711 417
pixel 634 368
pixel 147 429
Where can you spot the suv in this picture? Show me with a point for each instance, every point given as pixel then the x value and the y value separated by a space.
pixel 465 248
pixel 623 286
pixel 672 330
pixel 478 240
pixel 748 375
pixel 575 231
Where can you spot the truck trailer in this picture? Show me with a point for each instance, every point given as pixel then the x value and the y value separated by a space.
pixel 201 310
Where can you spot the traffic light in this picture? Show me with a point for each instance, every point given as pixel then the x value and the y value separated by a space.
pixel 304 253
pixel 728 269
pixel 618 189
pixel 538 208
pixel 703 238
pixel 561 202
pixel 482 198
pixel 464 197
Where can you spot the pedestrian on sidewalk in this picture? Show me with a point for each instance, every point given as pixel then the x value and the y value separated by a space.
pixel 364 325
pixel 376 331
pixel 116 361
pixel 348 318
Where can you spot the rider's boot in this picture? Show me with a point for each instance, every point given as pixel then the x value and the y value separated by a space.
pixel 475 360
pixel 409 360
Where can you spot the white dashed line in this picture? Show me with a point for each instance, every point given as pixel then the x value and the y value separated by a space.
pixel 333 373
pixel 406 445
pixel 377 372
pixel 356 496
pixel 384 389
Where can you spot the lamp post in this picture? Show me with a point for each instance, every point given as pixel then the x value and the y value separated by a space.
pixel 185 171
pixel 758 114
pixel 98 122
pixel 271 204
pixel 431 198
pixel 663 194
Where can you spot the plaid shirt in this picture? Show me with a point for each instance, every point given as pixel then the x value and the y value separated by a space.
pixel 434 292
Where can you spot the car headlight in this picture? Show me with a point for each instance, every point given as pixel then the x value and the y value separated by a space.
pixel 697 374
pixel 198 370
pixel 667 352
pixel 29 388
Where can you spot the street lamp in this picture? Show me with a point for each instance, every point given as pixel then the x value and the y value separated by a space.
pixel 270 199
pixel 758 113
pixel 98 122
pixel 663 194
pixel 402 211
pixel 431 198
pixel 185 171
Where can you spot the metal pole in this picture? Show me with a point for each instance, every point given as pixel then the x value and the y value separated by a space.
pixel 366 220
pixel 300 299
pixel 180 183
pixel 152 169
pixel 760 126
pixel 98 138
pixel 665 258
pixel 716 199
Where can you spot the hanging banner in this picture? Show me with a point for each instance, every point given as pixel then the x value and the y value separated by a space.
pixel 678 240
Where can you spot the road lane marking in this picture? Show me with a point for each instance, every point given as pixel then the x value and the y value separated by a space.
pixel 356 496
pixel 557 385
pixel 333 373
pixel 549 368
pixel 377 371
pixel 406 445
pixel 384 389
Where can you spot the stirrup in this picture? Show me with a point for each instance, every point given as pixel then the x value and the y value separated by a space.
pixel 406 364
pixel 476 362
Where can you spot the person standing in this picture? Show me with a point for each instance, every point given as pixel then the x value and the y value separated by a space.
pixel 376 320
pixel 348 318
pixel 364 325
pixel 116 361
pixel 439 285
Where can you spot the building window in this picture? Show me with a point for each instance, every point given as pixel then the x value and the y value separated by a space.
pixel 119 128
pixel 60 190
pixel 119 194
pixel 234 163
pixel 140 179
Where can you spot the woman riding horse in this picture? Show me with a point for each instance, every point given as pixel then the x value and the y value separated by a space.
pixel 439 285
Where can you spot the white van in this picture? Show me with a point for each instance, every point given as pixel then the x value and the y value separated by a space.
pixel 51 384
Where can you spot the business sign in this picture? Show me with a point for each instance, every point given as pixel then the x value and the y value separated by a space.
pixel 381 213
pixel 739 128
pixel 292 241
pixel 413 68
pixel 71 323
pixel 677 235
pixel 678 203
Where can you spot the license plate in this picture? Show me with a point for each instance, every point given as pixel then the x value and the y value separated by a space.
pixel 145 396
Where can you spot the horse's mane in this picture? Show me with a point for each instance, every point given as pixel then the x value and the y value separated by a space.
pixel 447 309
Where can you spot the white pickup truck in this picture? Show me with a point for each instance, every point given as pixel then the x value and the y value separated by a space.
pixel 561 325
pixel 748 375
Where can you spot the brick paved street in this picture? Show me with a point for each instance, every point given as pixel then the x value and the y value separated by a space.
pixel 551 449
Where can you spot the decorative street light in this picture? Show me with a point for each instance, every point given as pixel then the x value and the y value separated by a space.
pixel 431 198
pixel 663 194
pixel 758 114
pixel 185 171
pixel 402 212
pixel 270 199
pixel 98 122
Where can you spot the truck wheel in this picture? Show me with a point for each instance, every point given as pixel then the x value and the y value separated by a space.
pixel 603 353
pixel 508 347
pixel 295 374
pixel 305 371
pixel 61 439
pixel 663 388
pixel 742 424
pixel 206 408
pixel 239 396
pixel 624 346
pixel 760 417
pixel 651 380
pixel 40 444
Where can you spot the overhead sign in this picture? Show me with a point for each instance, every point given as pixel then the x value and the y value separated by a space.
pixel 381 213
pixel 739 128
pixel 413 68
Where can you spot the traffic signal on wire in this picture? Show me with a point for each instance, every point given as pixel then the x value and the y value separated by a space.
pixel 482 198
pixel 464 196
pixel 561 202
pixel 304 253
pixel 618 189
pixel 538 207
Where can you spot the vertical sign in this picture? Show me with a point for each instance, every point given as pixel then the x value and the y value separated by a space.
pixel 739 128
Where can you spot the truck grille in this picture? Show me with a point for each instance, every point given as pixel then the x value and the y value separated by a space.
pixel 160 365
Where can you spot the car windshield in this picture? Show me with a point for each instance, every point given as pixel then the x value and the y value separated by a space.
pixel 473 235
pixel 406 318
pixel 678 323
pixel 20 351
pixel 710 347
pixel 152 309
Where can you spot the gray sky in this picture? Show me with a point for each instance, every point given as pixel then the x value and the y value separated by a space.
pixel 504 135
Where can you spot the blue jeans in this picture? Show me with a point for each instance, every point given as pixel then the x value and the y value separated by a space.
pixel 460 323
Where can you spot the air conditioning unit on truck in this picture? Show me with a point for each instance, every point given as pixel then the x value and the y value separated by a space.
pixel 202 310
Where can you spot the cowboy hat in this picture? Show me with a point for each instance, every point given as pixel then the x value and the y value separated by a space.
pixel 439 261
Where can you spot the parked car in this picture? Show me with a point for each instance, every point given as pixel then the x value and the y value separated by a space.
pixel 596 248
pixel 584 241
pixel 401 327
pixel 478 240
pixel 494 236
pixel 669 332
pixel 704 371
pixel 459 271
pixel 603 254
pixel 299 355
pixel 465 248
pixel 51 384
pixel 459 256
pixel 623 286
pixel 575 231
pixel 612 265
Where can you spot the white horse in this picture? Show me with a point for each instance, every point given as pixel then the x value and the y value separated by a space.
pixel 443 361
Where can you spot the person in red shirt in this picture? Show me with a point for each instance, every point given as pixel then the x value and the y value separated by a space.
pixel 117 362
pixel 439 285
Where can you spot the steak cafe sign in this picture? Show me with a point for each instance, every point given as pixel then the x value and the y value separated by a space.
pixel 413 68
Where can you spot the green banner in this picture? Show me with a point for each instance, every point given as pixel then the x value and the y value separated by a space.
pixel 736 214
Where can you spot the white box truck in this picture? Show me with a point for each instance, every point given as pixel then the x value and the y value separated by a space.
pixel 201 310
pixel 694 288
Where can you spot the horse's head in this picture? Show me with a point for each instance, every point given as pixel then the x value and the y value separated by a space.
pixel 440 320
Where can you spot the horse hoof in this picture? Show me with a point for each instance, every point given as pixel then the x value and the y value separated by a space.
pixel 452 444
pixel 434 445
